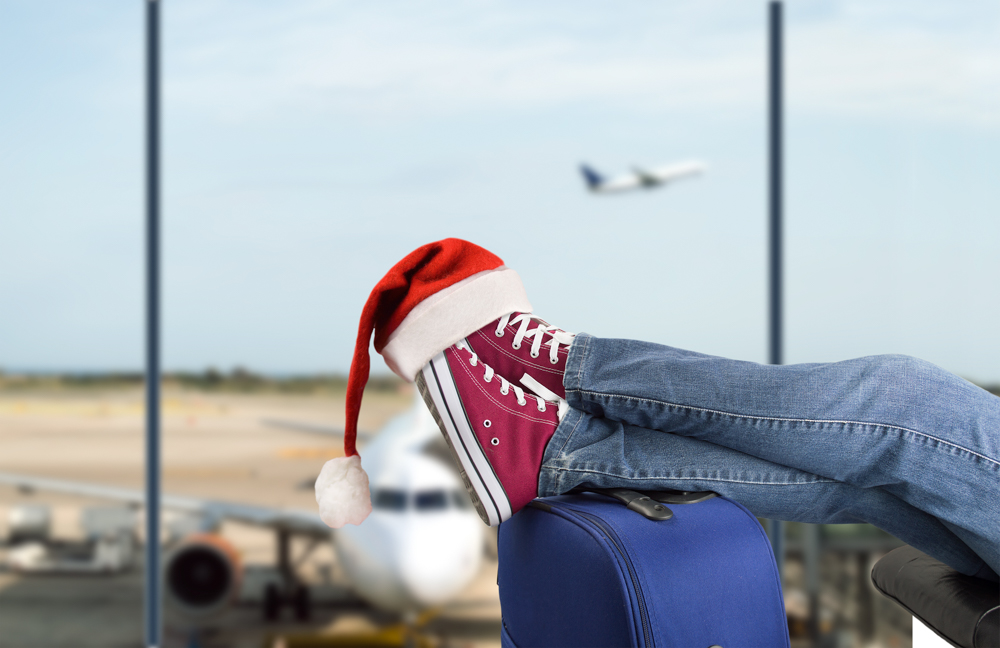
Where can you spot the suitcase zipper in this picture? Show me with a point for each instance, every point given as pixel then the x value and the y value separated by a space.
pixel 613 539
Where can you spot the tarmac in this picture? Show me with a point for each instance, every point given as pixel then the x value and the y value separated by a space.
pixel 214 446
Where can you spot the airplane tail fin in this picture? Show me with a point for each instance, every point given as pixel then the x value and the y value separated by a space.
pixel 592 177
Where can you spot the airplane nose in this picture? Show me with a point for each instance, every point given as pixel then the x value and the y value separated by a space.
pixel 437 567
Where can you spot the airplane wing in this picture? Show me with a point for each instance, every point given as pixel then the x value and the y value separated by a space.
pixel 301 522
pixel 639 177
pixel 315 428
pixel 648 179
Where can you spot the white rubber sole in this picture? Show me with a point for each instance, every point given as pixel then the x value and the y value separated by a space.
pixel 437 386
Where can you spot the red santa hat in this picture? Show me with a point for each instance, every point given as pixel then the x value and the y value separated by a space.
pixel 437 295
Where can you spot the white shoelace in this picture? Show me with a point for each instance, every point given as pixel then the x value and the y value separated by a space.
pixel 505 387
pixel 557 336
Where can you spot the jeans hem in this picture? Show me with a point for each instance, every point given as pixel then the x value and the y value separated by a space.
pixel 550 473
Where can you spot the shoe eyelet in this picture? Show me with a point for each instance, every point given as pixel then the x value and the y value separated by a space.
pixel 495 441
pixel 541 408
pixel 522 403
pixel 515 346
pixel 534 355
pixel 498 332
pixel 505 392
pixel 554 361
pixel 487 423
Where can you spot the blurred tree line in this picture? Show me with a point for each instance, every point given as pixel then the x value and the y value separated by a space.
pixel 239 379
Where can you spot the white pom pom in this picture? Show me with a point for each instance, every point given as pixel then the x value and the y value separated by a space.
pixel 342 492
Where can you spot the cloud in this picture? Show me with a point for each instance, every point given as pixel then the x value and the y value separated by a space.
pixel 895 72
pixel 398 61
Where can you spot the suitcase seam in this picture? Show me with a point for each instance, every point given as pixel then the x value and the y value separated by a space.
pixel 622 570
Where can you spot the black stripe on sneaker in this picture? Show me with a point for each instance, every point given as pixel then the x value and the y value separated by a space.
pixel 465 448
pixel 493 472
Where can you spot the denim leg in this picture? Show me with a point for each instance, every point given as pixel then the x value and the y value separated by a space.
pixel 886 423
pixel 600 452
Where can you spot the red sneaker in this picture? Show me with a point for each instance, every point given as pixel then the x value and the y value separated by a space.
pixel 525 349
pixel 498 438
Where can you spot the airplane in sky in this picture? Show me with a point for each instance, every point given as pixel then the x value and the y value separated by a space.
pixel 639 178
pixel 420 547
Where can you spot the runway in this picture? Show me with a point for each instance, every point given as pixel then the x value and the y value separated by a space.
pixel 214 447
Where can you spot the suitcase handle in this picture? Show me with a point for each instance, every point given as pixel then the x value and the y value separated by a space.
pixel 650 504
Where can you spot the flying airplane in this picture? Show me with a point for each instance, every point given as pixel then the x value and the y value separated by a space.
pixel 639 178
pixel 419 548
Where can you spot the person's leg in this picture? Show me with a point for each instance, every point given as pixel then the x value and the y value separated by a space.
pixel 598 452
pixel 892 423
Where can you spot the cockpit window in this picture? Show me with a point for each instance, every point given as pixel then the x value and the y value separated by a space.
pixel 387 499
pixel 391 499
pixel 434 500
pixel 460 499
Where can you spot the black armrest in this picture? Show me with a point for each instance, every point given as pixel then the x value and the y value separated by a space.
pixel 963 610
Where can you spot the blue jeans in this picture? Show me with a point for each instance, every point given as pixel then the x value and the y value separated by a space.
pixel 888 440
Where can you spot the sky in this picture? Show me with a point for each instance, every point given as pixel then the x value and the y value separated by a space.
pixel 307 146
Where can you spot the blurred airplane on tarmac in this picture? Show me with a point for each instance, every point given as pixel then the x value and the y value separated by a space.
pixel 639 178
pixel 419 548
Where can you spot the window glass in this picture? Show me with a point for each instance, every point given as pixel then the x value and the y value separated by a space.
pixel 434 500
pixel 307 145
pixel 71 334
pixel 386 499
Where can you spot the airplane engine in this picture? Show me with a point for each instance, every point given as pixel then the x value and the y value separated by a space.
pixel 202 576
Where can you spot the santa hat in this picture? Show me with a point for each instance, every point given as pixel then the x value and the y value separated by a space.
pixel 434 297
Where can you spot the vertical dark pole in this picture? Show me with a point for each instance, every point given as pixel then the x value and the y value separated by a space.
pixel 153 602
pixel 866 611
pixel 774 194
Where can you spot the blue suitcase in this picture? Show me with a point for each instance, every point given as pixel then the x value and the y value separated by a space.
pixel 584 570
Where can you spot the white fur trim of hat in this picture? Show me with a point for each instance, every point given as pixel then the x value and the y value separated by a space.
pixel 451 314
